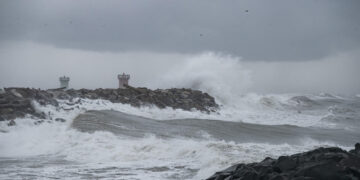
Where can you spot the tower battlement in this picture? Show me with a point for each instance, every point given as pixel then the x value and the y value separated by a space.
pixel 123 80
pixel 64 82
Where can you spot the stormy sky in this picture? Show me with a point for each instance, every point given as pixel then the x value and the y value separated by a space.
pixel 284 45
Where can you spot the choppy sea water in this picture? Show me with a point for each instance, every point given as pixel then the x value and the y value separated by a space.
pixel 101 140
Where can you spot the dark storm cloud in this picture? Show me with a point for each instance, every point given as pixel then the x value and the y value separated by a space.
pixel 260 30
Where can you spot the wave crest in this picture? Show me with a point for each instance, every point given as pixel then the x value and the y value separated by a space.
pixel 222 76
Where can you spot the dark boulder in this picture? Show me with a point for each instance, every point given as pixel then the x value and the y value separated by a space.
pixel 60 120
pixel 285 163
pixel 319 164
pixel 11 123
pixel 357 149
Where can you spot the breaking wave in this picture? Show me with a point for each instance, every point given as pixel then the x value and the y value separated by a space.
pixel 139 150
pixel 219 75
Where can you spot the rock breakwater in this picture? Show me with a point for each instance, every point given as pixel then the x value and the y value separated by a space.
pixel 18 102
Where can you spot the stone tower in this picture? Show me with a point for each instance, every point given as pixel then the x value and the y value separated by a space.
pixel 123 80
pixel 64 82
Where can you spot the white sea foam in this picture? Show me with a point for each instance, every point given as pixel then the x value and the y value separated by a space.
pixel 252 108
pixel 135 155
pixel 258 109
pixel 197 158
pixel 149 157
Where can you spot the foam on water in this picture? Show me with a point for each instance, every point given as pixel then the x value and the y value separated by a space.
pixel 254 108
pixel 150 157
pixel 137 156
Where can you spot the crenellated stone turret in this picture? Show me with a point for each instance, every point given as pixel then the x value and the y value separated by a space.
pixel 123 80
pixel 64 82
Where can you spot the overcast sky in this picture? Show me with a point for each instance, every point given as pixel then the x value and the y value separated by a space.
pixel 311 37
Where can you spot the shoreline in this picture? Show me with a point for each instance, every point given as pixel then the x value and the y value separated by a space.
pixel 330 163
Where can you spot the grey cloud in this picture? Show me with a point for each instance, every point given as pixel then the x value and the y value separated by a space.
pixel 255 30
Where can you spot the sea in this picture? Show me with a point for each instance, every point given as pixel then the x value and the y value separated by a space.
pixel 104 140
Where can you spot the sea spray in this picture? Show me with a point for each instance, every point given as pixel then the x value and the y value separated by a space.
pixel 220 75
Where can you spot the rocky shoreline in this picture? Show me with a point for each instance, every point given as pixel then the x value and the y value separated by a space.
pixel 320 164
pixel 18 102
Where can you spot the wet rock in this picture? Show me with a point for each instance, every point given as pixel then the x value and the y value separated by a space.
pixel 2 91
pixel 13 91
pixel 39 122
pixel 11 123
pixel 4 101
pixel 320 164
pixel 285 163
pixel 325 170
pixel 357 149
pixel 6 109
pixel 60 120
pixel 303 101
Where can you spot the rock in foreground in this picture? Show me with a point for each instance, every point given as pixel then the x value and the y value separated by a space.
pixel 17 102
pixel 319 164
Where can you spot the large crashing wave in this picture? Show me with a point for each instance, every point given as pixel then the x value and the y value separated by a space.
pixel 109 149
pixel 220 75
